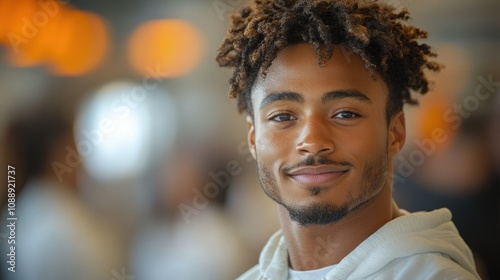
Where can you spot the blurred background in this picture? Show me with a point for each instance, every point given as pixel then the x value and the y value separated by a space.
pixel 131 162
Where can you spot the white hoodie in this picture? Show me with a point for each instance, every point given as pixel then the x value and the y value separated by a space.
pixel 421 245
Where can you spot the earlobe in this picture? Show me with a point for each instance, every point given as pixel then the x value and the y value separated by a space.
pixel 397 133
pixel 251 136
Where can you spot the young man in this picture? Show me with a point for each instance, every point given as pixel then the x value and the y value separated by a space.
pixel 323 84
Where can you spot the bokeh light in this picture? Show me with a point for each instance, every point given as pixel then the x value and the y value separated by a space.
pixel 111 136
pixel 174 46
pixel 121 127
pixel 434 110
pixel 86 41
pixel 69 41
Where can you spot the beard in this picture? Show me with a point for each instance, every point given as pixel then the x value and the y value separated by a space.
pixel 373 179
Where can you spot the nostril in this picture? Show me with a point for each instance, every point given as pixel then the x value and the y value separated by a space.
pixel 315 148
pixel 316 137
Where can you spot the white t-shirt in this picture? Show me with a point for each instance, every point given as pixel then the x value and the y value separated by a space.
pixel 309 274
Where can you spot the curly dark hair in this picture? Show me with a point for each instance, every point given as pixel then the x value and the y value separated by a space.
pixel 376 32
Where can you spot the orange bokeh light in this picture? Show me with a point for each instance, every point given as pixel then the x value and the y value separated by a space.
pixel 174 46
pixel 432 116
pixel 71 42
pixel 13 14
pixel 83 45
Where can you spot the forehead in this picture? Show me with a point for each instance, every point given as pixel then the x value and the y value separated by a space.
pixel 296 68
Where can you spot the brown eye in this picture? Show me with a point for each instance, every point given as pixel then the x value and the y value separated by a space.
pixel 283 117
pixel 346 115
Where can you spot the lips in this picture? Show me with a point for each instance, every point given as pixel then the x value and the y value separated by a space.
pixel 317 174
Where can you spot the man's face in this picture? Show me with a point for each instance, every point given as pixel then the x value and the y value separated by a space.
pixel 320 134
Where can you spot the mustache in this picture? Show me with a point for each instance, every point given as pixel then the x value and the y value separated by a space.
pixel 319 160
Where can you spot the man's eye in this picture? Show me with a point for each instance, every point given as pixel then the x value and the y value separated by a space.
pixel 346 115
pixel 283 117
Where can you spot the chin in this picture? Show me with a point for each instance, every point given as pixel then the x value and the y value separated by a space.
pixel 316 213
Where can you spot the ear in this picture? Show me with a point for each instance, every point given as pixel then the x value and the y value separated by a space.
pixel 251 136
pixel 397 133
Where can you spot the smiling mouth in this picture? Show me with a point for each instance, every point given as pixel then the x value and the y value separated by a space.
pixel 322 178
pixel 317 175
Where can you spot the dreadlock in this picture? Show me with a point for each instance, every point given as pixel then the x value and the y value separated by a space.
pixel 376 32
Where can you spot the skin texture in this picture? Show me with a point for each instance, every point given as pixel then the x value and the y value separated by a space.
pixel 324 152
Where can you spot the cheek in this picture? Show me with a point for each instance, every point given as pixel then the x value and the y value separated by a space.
pixel 363 144
pixel 272 148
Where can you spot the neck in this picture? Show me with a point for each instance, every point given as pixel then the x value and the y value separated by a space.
pixel 318 246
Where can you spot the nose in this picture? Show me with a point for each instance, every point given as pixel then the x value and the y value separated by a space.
pixel 315 138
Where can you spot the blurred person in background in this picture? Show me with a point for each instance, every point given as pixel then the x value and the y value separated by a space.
pixel 323 84
pixel 57 236
pixel 461 175
pixel 190 237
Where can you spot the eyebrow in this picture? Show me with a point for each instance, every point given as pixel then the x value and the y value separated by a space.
pixel 341 94
pixel 281 96
pixel 328 96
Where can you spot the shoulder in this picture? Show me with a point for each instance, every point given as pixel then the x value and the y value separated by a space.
pixel 426 266
pixel 252 274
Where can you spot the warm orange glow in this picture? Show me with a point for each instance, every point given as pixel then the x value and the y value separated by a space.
pixel 436 107
pixel 36 49
pixel 175 47
pixel 17 20
pixel 70 41
pixel 81 46
pixel 432 117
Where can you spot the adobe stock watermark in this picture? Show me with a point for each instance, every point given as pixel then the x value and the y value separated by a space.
pixel 47 9
pixel 220 180
pixel 454 117
pixel 121 107
pixel 223 7
pixel 122 275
